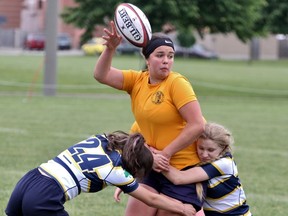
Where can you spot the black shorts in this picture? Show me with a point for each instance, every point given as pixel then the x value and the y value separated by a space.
pixel 36 195
pixel 184 193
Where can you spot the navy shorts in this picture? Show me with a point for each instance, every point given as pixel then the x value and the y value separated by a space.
pixel 36 195
pixel 184 193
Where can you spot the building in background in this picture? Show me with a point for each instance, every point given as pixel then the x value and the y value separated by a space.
pixel 10 13
pixel 33 19
pixel 18 18
pixel 10 20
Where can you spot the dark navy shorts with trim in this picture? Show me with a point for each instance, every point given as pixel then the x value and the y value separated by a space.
pixel 36 195
pixel 184 193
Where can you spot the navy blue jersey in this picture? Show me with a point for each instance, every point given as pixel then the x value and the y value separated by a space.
pixel 225 194
pixel 89 167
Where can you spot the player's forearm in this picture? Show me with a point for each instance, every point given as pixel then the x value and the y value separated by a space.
pixel 161 202
pixel 189 135
pixel 192 175
pixel 103 65
pixel 174 175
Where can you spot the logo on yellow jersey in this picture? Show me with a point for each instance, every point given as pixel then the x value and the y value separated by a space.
pixel 158 97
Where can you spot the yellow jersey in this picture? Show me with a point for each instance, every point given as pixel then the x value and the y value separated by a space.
pixel 156 111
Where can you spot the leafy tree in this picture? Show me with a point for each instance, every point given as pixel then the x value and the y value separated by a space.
pixel 274 17
pixel 219 16
pixel 88 14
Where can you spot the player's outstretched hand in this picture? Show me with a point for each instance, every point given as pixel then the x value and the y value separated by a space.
pixel 112 38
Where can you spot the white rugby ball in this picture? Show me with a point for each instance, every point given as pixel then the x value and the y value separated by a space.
pixel 132 24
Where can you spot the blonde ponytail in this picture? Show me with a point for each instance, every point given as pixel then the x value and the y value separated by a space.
pixel 200 191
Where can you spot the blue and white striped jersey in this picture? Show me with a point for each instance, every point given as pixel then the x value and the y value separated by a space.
pixel 225 194
pixel 89 167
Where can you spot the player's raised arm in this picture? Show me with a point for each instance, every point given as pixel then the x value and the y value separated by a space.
pixel 103 71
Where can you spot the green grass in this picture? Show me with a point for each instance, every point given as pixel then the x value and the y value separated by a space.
pixel 250 99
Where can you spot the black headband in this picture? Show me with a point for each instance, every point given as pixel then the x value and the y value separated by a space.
pixel 156 42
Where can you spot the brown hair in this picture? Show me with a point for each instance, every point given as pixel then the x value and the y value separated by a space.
pixel 136 157
pixel 117 140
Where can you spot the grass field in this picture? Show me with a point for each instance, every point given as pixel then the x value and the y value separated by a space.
pixel 249 98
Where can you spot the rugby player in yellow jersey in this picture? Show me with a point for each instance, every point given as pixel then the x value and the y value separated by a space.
pixel 167 111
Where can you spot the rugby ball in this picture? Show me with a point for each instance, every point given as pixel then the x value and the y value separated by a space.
pixel 132 24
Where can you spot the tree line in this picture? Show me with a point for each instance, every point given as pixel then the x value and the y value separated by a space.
pixel 247 19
